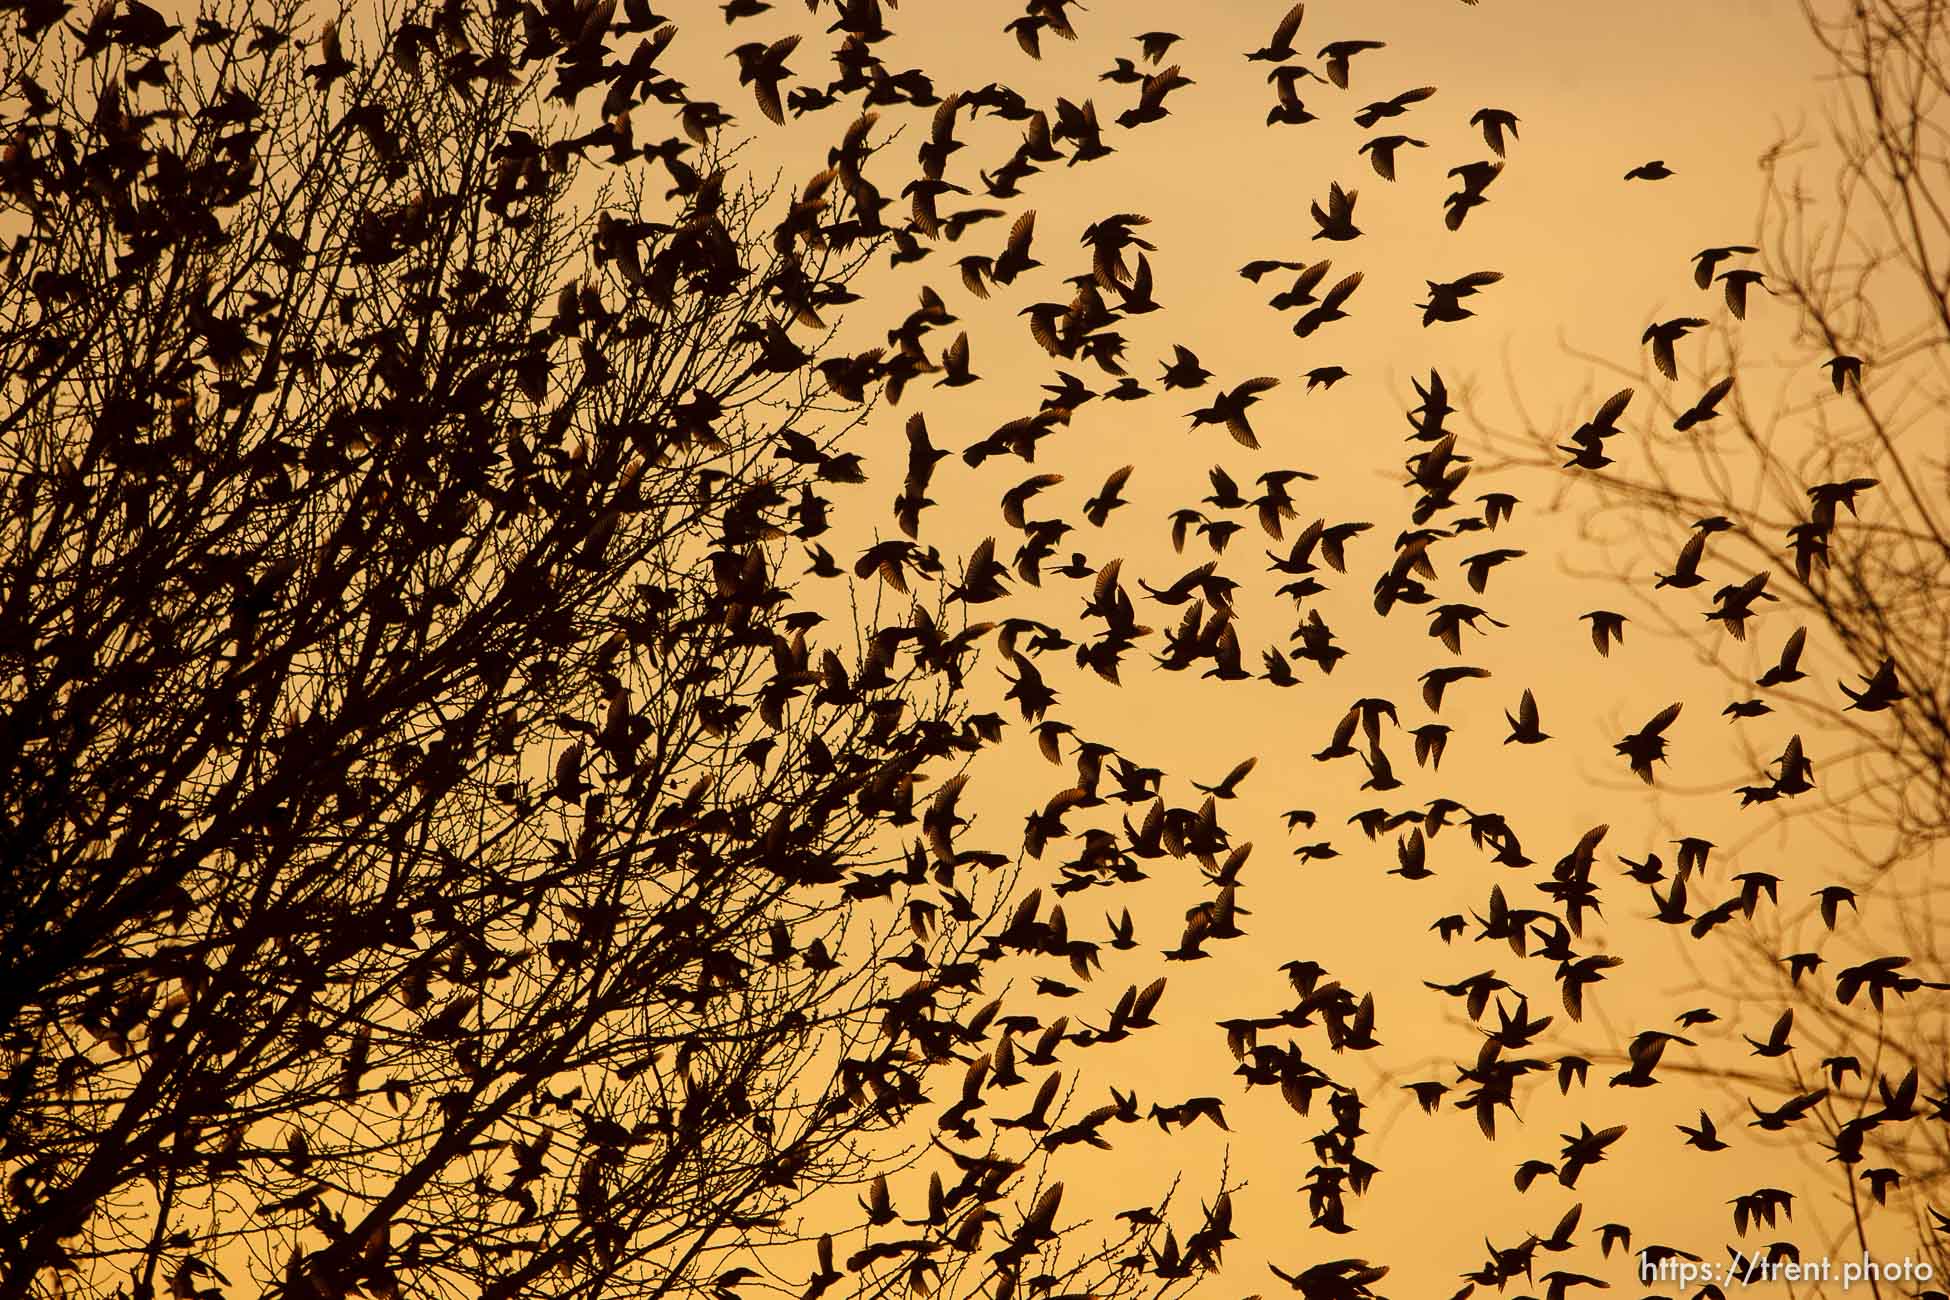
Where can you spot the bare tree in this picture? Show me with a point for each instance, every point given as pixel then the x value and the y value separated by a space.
pixel 442 854
pixel 1834 486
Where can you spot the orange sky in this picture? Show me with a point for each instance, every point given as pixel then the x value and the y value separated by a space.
pixel 1589 260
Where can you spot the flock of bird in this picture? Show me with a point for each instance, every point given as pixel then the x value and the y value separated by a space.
pixel 1111 283
pixel 1115 283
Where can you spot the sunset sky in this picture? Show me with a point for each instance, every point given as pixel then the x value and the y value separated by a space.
pixel 1584 260
pixel 1589 260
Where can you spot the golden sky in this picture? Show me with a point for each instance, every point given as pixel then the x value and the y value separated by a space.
pixel 1589 259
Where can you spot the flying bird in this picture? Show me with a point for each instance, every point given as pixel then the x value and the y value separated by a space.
pixel 1337 53
pixel 1496 123
pixel 1878 691
pixel 1381 152
pixel 762 67
pixel 1737 282
pixel 1707 261
pixel 1843 370
pixel 1445 299
pixel 1524 729
pixel 1647 745
pixel 1229 409
pixel 1384 108
pixel 1706 408
pixel 1662 335
pixel 1291 109
pixel 1337 222
pixel 1280 48
pixel 1607 629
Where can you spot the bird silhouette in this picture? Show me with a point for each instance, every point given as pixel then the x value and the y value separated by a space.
pixel 1229 409
pixel 1737 282
pixel 1843 370
pixel 1647 745
pixel 1706 262
pixel 1337 221
pixel 1329 309
pixel 1290 110
pixel 1337 54
pixel 1607 629
pixel 1879 690
pixel 1280 48
pixel 1524 729
pixel 1662 335
pixel 1685 569
pixel 1395 107
pixel 1184 370
pixel 1496 124
pixel 1381 152
pixel 762 67
pixel 1445 299
pixel 1155 44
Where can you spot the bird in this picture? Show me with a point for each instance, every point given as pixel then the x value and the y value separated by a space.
pixel 1016 499
pixel 1337 222
pixel 1329 309
pixel 1258 268
pixel 1496 122
pixel 1151 97
pixel 1788 668
pixel 1229 409
pixel 1524 729
pixel 1607 629
pixel 1662 335
pixel 1832 897
pixel 1585 1148
pixel 1184 371
pixel 332 63
pixel 1843 370
pixel 1291 110
pixel 1776 1043
pixel 1228 787
pixel 1878 691
pixel 1395 107
pixel 762 67
pixel 1438 680
pixel 1337 54
pixel 1280 48
pixel 1475 178
pixel 1704 1136
pixel 1445 299
pixel 1155 44
pixel 1685 569
pixel 1477 567
pixel 954 364
pixel 1097 509
pixel 1826 496
pixel 1656 170
pixel 1014 258
pixel 1707 261
pixel 1647 745
pixel 1737 282
pixel 1381 152
pixel 1705 408
pixel 1780 1117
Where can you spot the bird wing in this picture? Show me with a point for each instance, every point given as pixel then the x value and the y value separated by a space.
pixel 1290 24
